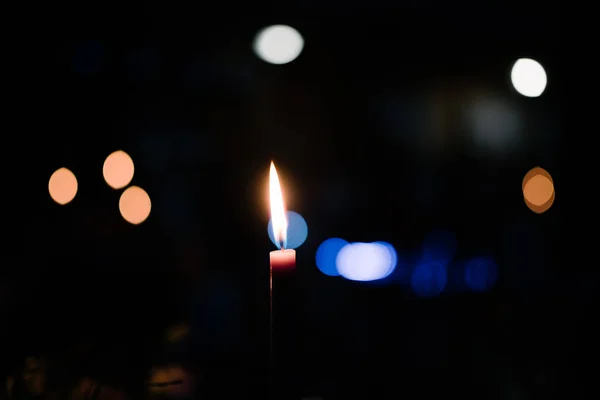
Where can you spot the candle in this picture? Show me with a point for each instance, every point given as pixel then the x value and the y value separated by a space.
pixel 281 268
pixel 282 259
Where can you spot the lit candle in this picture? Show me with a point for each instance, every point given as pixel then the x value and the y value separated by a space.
pixel 282 265
pixel 282 259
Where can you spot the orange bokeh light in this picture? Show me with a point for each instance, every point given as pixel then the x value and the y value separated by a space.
pixel 118 169
pixel 62 186
pixel 538 190
pixel 135 205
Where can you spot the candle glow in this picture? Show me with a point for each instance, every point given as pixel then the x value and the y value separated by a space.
pixel 282 259
pixel 278 214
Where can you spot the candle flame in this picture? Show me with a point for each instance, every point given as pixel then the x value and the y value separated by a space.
pixel 278 214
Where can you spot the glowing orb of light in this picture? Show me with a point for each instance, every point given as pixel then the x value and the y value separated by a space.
pixel 429 279
pixel 327 254
pixel 538 190
pixel 481 274
pixel 118 169
pixel 364 262
pixel 135 205
pixel 393 256
pixel 278 44
pixel 62 186
pixel 528 77
pixel 297 231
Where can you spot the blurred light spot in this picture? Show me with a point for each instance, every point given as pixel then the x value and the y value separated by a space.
pixel 297 231
pixel 327 254
pixel 393 259
pixel 528 77
pixel 364 262
pixel 89 58
pixel 118 169
pixel 144 64
pixel 481 274
pixel 278 44
pixel 167 382
pixel 429 279
pixel 439 246
pixel 62 186
pixel 494 124
pixel 538 190
pixel 135 205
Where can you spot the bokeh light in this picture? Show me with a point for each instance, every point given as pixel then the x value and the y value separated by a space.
pixel 429 279
pixel 297 231
pixel 495 125
pixel 135 205
pixel 278 44
pixel 538 190
pixel 62 186
pixel 364 262
pixel 481 274
pixel 393 256
pixel 327 254
pixel 528 77
pixel 439 246
pixel 118 169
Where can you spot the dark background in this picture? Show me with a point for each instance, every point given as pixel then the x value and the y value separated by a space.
pixel 370 132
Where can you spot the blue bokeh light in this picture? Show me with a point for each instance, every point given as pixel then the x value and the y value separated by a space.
pixel 439 246
pixel 296 233
pixel 429 279
pixel 327 254
pixel 481 274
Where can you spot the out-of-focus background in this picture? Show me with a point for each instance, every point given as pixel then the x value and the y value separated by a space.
pixel 411 123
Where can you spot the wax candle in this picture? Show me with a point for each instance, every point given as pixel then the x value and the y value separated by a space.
pixel 283 260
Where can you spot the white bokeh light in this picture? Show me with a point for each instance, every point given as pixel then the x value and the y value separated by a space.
pixel 528 77
pixel 392 258
pixel 364 262
pixel 494 124
pixel 278 44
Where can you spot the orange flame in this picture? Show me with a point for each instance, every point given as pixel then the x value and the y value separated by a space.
pixel 278 214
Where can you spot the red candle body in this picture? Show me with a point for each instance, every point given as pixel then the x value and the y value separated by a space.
pixel 283 260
